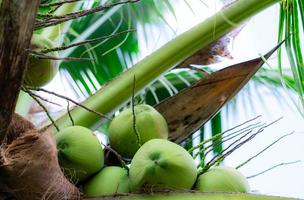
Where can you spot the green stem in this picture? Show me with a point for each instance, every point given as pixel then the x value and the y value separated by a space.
pixel 216 126
pixel 23 104
pixel 120 89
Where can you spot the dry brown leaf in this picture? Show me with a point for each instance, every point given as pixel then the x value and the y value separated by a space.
pixel 187 111
pixel 214 52
pixel 217 50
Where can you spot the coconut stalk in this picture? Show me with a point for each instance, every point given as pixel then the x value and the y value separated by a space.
pixel 23 104
pixel 120 89
pixel 192 196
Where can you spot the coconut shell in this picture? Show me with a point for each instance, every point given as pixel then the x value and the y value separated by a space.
pixel 162 164
pixel 79 151
pixel 150 124
pixel 109 181
pixel 41 71
pixel 222 179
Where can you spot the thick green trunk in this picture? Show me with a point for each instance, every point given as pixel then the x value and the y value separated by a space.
pixel 120 89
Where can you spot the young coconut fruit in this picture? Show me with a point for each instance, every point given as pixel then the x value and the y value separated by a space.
pixel 150 124
pixel 40 71
pixel 79 152
pixel 110 180
pixel 222 179
pixel 162 164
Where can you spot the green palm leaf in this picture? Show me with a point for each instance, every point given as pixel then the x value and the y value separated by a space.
pixel 111 56
pixel 291 26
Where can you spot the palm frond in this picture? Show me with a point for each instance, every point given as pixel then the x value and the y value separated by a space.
pixel 111 56
pixel 291 27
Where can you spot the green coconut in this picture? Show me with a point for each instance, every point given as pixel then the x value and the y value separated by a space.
pixel 79 152
pixel 41 71
pixel 222 179
pixel 150 124
pixel 110 180
pixel 162 164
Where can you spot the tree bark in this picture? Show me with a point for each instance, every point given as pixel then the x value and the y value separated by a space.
pixel 29 167
pixel 16 27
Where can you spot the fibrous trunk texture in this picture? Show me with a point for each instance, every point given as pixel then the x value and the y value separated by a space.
pixel 16 27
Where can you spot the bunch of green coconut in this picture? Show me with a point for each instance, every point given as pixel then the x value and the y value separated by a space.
pixel 155 162
pixel 139 135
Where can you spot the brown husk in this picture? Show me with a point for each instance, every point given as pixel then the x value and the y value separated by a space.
pixel 29 167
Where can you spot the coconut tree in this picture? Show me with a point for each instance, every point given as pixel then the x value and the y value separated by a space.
pixel 94 37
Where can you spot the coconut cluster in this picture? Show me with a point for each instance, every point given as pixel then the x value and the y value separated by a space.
pixel 154 162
